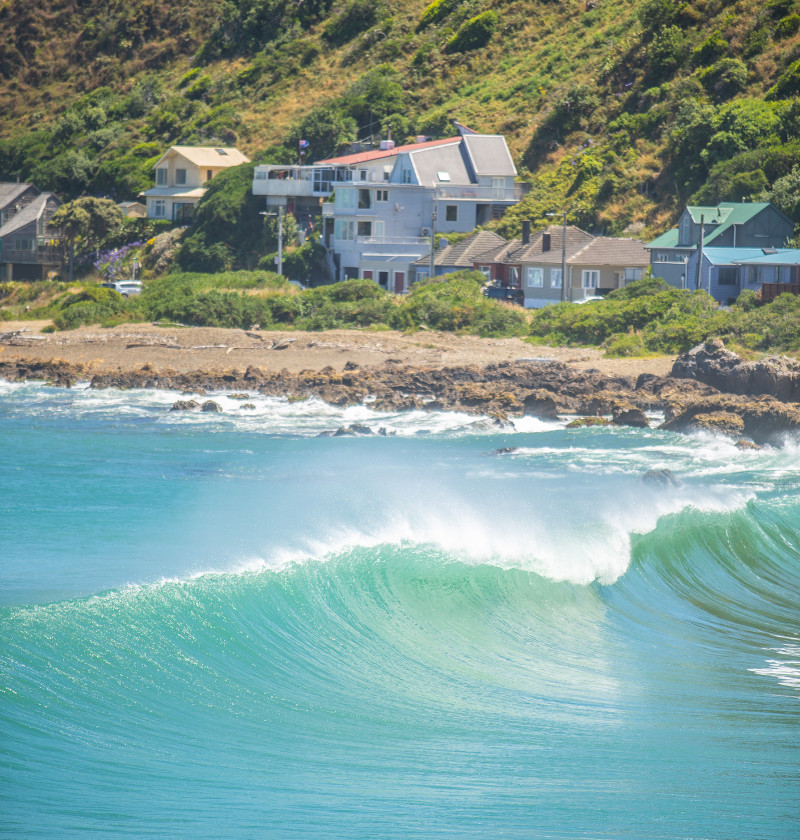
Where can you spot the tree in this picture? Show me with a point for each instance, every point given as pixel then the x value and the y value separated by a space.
pixel 88 221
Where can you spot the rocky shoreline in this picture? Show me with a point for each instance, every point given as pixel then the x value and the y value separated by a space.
pixel 709 388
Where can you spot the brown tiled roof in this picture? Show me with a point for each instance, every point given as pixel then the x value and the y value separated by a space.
pixel 516 252
pixel 480 247
pixel 612 250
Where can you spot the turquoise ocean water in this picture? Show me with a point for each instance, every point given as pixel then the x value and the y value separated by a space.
pixel 225 626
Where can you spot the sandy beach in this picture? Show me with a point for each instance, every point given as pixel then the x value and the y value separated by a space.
pixel 186 349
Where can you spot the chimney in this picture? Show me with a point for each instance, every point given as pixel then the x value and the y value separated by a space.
pixel 526 232
pixel 545 242
pixel 388 143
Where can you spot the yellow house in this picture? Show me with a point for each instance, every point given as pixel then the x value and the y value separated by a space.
pixel 181 174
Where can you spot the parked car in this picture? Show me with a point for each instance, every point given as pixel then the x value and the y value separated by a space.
pixel 506 293
pixel 590 299
pixel 126 288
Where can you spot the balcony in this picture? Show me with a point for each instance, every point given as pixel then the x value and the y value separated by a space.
pixel 298 181
pixel 490 195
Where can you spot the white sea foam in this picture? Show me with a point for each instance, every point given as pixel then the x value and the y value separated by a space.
pixel 785 670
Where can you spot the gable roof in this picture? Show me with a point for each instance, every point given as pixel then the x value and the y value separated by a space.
pixel 11 191
pixel 489 154
pixel 208 155
pixel 377 154
pixel 468 251
pixel 717 219
pixel 533 252
pixel 30 213
pixel 429 164
pixel 781 256
pixel 612 250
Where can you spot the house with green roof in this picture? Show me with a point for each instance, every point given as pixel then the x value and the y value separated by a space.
pixel 726 225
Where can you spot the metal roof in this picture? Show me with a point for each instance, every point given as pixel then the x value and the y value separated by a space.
pixel 489 154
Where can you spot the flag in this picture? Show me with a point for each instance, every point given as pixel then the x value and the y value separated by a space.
pixel 303 144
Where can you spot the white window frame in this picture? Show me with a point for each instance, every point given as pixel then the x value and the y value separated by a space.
pixel 556 278
pixel 381 195
pixel 180 177
pixel 161 176
pixel 631 275
pixel 590 278
pixel 379 228
pixel 159 208
pixel 534 277
pixel 498 188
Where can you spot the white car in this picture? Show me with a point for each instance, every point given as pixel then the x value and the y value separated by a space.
pixel 590 299
pixel 126 288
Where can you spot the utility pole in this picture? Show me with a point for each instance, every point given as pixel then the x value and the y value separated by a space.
pixel 700 253
pixel 432 266
pixel 564 296
pixel 279 214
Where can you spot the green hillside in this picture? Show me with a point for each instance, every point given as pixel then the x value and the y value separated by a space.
pixel 618 111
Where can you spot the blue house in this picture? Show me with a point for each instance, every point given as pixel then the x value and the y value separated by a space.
pixel 729 225
pixel 726 272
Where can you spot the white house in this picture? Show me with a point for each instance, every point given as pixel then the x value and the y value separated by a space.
pixel 383 207
pixel 181 175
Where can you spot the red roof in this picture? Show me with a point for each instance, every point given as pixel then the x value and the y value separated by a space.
pixel 363 157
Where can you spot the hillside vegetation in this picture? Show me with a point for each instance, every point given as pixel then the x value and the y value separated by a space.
pixel 619 111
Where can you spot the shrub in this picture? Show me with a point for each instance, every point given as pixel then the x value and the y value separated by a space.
pixel 355 17
pixel 786 27
pixel 473 33
pixel 714 47
pixel 725 78
pixel 438 10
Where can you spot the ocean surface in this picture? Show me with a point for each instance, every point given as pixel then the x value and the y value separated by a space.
pixel 227 626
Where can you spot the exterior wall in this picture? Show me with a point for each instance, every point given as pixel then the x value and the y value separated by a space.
pixel 674 270
pixel 173 207
pixel 769 229
pixel 539 296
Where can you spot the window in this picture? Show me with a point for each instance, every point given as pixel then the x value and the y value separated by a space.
pixel 407 176
pixel 366 274
pixel 209 174
pixel 383 278
pixel 498 188
pixel 220 151
pixel 364 200
pixel 381 195
pixel 754 274
pixel 422 274
pixel 343 229
pixel 378 228
pixel 556 278
pixel 486 271
pixel 345 198
pixel 159 208
pixel 261 175
pixel 161 176
pixel 364 229
pixel 24 244
pixel 633 274
pixel 591 279
pixel 685 230
pixel 443 176
pixel 387 173
pixel 536 277
pixel 451 213
pixel 180 177
pixel 513 275
pixel 727 275
pixel 362 174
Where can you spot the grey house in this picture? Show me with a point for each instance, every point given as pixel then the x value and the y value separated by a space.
pixel 29 247
pixel 384 207
pixel 727 225
pixel 476 252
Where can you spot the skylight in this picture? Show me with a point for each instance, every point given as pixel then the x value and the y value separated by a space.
pixel 220 151
pixel 443 176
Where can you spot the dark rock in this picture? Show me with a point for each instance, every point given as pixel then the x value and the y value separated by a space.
pixel 541 405
pixel 661 478
pixel 630 416
pixel 249 406
pixel 350 366
pixel 239 396
pixel 210 405
pixel 589 421
pixel 184 405
pixel 353 429
pixel 505 450
pixel 746 444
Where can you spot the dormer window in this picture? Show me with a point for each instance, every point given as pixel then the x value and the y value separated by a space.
pixel 686 223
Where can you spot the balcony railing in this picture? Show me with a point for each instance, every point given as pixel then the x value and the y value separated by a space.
pixel 42 256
